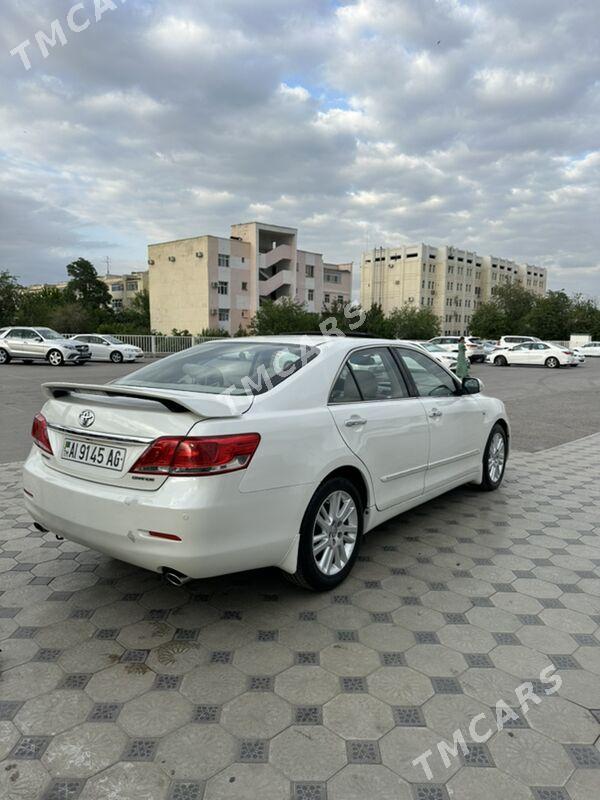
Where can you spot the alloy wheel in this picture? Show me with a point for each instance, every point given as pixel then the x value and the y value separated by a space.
pixel 335 532
pixel 55 358
pixel 496 457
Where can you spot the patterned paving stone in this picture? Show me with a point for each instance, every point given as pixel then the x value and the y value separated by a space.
pixel 116 685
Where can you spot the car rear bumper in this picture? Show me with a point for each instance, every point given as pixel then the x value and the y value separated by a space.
pixel 221 529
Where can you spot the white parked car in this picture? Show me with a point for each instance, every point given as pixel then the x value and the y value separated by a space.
pixel 443 356
pixel 588 349
pixel 532 353
pixel 509 341
pixel 263 451
pixel 109 348
pixel 474 346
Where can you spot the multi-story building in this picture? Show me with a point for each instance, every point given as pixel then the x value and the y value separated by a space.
pixel 122 288
pixel 450 281
pixel 217 282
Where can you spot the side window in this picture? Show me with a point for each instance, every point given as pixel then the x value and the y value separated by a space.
pixel 15 333
pixel 430 379
pixel 369 375
pixel 29 335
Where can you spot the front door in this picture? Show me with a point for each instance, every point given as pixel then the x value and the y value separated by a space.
pixel 456 421
pixel 382 424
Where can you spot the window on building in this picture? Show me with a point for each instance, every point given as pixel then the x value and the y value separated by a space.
pixel 116 287
pixel 326 298
pixel 223 315
pixel 223 260
pixel 412 255
pixel 310 271
pixel 131 286
pixel 340 298
pixel 311 295
pixel 223 287
pixel 117 304
pixel 244 286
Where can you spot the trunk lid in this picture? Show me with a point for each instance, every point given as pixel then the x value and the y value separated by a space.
pixel 97 432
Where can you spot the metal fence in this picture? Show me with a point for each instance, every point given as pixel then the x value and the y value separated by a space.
pixel 158 345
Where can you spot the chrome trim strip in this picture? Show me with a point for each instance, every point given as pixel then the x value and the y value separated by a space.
pixel 443 461
pixel 110 437
pixel 402 474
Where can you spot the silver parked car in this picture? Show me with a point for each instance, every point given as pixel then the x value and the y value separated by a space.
pixel 40 344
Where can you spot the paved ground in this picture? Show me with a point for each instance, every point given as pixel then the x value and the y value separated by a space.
pixel 116 687
pixel 546 407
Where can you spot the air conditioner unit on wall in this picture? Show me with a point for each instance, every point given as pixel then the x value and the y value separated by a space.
pixel 199 254
pixel 171 258
pixel 150 262
pixel 213 312
pixel 214 285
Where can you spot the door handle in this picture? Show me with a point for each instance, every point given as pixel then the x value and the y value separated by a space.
pixel 355 422
pixel 435 413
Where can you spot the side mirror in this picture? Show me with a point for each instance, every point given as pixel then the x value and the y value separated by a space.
pixel 38 339
pixel 471 385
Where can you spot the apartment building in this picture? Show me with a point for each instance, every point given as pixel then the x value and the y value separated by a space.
pixel 122 288
pixel 450 281
pixel 217 282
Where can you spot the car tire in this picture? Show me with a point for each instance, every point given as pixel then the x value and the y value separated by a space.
pixel 116 357
pixel 500 361
pixel 494 459
pixel 321 575
pixel 4 356
pixel 55 358
pixel 552 362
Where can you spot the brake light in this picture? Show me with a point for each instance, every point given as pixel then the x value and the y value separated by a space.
pixel 39 432
pixel 197 455
pixel 567 352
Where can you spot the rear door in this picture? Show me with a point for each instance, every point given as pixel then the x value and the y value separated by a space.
pixel 15 343
pixel 456 421
pixel 382 424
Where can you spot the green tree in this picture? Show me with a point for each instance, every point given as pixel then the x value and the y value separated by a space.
pixel 516 303
pixel 37 308
pixel 285 316
pixel 488 321
pixel 409 322
pixel 85 287
pixel 376 323
pixel 10 293
pixel 71 318
pixel 550 318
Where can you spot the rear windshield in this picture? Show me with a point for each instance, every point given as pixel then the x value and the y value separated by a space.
pixel 224 368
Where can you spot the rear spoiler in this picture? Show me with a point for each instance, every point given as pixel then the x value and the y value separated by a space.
pixel 203 405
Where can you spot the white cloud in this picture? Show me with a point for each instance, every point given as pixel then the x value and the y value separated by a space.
pixel 474 123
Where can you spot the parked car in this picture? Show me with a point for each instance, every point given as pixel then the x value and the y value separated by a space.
pixel 588 349
pixel 263 451
pixel 532 353
pixel 40 344
pixel 109 348
pixel 508 341
pixel 445 358
pixel 488 346
pixel 473 344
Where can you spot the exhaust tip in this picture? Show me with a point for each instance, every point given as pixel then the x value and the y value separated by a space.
pixel 40 528
pixel 175 578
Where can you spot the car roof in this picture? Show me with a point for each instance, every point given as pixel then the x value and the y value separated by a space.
pixel 332 343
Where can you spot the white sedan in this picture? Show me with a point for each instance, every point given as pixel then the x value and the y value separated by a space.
pixel 445 358
pixel 588 349
pixel 265 451
pixel 109 348
pixel 533 354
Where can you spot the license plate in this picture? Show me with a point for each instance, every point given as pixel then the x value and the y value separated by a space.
pixel 97 455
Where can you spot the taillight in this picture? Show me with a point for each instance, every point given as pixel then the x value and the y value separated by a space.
pixel 39 432
pixel 567 352
pixel 197 455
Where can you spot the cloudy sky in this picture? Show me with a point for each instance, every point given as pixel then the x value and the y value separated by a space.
pixel 473 122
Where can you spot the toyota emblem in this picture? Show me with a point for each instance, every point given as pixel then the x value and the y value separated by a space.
pixel 87 418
